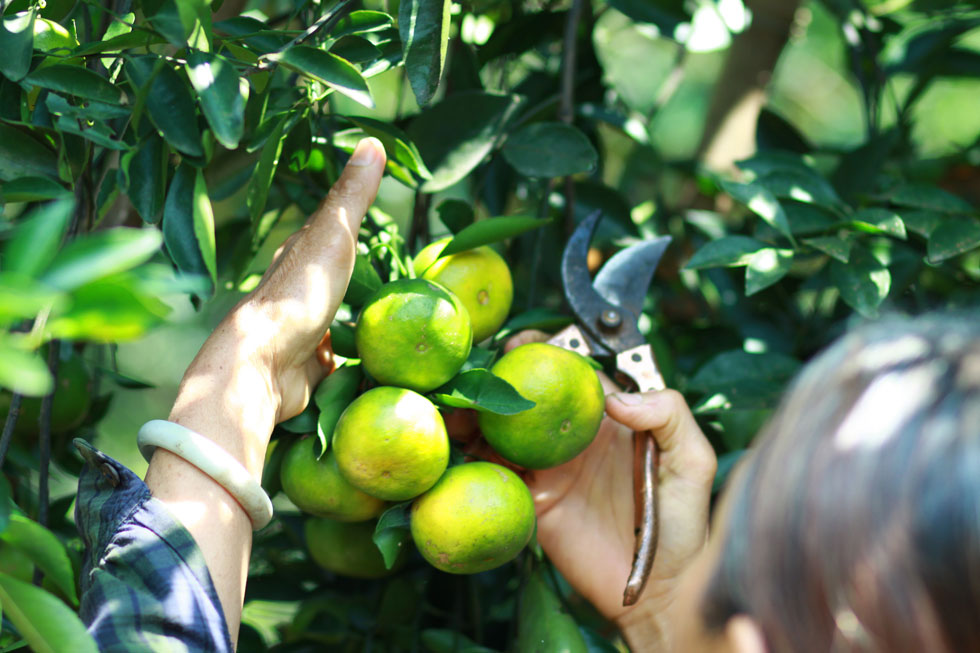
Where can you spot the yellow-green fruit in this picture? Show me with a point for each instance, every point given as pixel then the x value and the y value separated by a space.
pixel 391 443
pixel 479 277
pixel 318 487
pixel 569 402
pixel 544 625
pixel 414 334
pixel 347 549
pixel 477 517
pixel 69 406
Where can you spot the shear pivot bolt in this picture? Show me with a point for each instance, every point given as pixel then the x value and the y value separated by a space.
pixel 610 318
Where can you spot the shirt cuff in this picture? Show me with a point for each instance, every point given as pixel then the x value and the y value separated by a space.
pixel 144 583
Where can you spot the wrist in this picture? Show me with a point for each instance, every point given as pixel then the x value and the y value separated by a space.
pixel 646 628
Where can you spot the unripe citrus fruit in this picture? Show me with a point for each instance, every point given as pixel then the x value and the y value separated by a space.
pixel 413 333
pixel 347 549
pixel 569 402
pixel 318 487
pixel 477 517
pixel 391 443
pixel 69 406
pixel 479 277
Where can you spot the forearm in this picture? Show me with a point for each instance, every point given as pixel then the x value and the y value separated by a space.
pixel 227 399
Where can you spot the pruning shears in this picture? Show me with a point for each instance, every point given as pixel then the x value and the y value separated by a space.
pixel 607 310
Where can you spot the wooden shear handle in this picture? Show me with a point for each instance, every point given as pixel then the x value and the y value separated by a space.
pixel 638 364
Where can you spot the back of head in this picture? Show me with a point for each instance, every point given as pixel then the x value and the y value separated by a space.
pixel 855 525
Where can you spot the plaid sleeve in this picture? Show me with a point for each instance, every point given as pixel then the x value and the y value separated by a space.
pixel 144 583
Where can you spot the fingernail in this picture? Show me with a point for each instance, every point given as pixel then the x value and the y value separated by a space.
pixel 628 399
pixel 365 153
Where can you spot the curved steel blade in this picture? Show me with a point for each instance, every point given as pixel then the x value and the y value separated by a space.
pixel 626 276
pixel 586 303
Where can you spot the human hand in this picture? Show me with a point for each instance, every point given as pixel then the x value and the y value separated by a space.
pixel 585 507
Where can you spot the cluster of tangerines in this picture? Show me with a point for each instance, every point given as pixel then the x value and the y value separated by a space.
pixel 390 443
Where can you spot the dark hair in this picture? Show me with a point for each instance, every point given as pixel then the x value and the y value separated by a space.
pixel 855 523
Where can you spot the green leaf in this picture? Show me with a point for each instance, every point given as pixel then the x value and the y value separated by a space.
pixel 145 171
pixel 665 14
pixel 23 156
pixel 329 69
pixel 807 187
pixel 168 101
pixel 37 239
pixel 112 309
pixel 391 534
pixel 930 198
pixel 398 145
pixel 182 22
pixel 742 380
pixel 483 391
pixel 258 185
pixel 766 267
pixel 44 549
pixel 24 298
pixel 440 640
pixel 332 397
pixel 729 251
pixel 216 82
pixel 48 625
pixel 424 29
pixel 863 281
pixel 479 358
pixel 303 423
pixel 86 121
pixel 455 214
pixel 22 371
pixel 75 80
pixel 100 254
pixel 880 221
pixel 953 237
pixel 364 281
pixel 32 189
pixel 360 22
pixel 16 44
pixel 489 231
pixel 550 149
pixel 545 319
pixel 455 135
pixel 838 248
pixel 188 223
pixel 921 222
pixel 761 202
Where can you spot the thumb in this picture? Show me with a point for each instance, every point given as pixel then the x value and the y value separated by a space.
pixel 683 447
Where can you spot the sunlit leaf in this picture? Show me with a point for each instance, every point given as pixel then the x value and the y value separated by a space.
pixel 483 391
pixel 75 80
pixel 44 549
pixel 766 267
pixel 550 149
pixel 328 69
pixel 863 281
pixel 37 238
pixel 16 44
pixel 48 625
pixel 490 231
pixel 833 246
pixel 216 82
pixel 762 202
pixel 729 251
pixel 424 29
pixel 188 223
pixel 391 534
pixel 168 102
pixel 23 371
pixel 100 254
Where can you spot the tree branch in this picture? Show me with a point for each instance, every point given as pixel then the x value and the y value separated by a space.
pixel 566 106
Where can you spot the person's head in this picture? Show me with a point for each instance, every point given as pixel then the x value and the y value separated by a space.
pixel 854 524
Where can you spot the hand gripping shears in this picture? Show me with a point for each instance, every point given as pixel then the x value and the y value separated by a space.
pixel 607 311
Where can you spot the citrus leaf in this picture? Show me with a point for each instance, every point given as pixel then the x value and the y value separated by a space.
pixel 32 189
pixel 75 80
pixel 455 135
pixel 930 198
pixel 44 549
pixel 364 281
pixel 545 319
pixel 391 533
pixel 730 368
pixel 329 69
pixel 168 102
pixel 332 397
pixel 182 22
pixel 145 177
pixel 303 423
pixel 439 640
pixel 188 223
pixel 483 391
pixel 879 221
pixel 48 625
pixel 766 267
pixel 37 239
pixel 16 44
pixel 921 222
pixel 455 214
pixel 24 298
pixel 100 254
pixel 762 202
pixel 258 184
pixel 397 144
pixel 21 155
pixel 489 231
pixel 863 281
pixel 802 186
pixel 424 29
pixel 216 82
pixel 729 251
pixel 21 371
pixel 953 237
pixel 838 248
pixel 550 149
pixel 113 309
pixel 360 22
pixel 543 623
